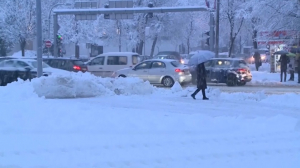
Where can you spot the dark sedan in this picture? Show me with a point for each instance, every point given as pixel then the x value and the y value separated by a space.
pixel 68 64
pixel 231 71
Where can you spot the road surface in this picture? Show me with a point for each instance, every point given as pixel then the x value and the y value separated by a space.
pixel 255 88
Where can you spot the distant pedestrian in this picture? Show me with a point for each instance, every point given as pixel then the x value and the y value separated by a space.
pixel 298 67
pixel 284 60
pixel 291 68
pixel 201 81
pixel 257 60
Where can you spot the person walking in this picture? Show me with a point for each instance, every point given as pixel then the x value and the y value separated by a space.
pixel 257 60
pixel 284 60
pixel 201 81
pixel 291 68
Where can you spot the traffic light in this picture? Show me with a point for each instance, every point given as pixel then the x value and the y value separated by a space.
pixel 59 44
pixel 207 38
pixel 150 14
pixel 59 39
pixel 106 16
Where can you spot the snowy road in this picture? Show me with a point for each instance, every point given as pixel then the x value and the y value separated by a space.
pixel 255 88
pixel 266 89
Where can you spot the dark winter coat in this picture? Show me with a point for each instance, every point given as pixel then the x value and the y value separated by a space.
pixel 284 60
pixel 201 76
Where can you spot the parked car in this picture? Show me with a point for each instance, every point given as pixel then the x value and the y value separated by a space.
pixel 68 64
pixel 105 64
pixel 158 71
pixel 169 55
pixel 12 69
pixel 5 58
pixel 232 71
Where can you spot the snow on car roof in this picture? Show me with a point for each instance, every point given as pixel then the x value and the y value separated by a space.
pixel 163 60
pixel 118 54
pixel 234 59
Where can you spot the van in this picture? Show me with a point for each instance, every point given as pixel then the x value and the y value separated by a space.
pixel 106 64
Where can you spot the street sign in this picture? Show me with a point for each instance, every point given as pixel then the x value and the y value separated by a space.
pixel 48 44
pixel 121 4
pixel 86 5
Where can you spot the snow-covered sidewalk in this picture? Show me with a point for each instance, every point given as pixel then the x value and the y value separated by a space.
pixel 264 77
pixel 129 123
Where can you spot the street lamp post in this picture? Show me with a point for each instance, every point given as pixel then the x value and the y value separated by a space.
pixel 49 16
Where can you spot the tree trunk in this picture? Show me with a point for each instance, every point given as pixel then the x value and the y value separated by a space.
pixel 188 45
pixel 153 46
pixel 231 46
pixel 254 39
pixel 140 47
pixel 23 45
pixel 2 48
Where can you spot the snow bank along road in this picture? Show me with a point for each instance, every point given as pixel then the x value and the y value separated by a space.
pixel 139 126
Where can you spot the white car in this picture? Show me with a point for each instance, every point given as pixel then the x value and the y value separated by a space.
pixel 31 64
pixel 158 71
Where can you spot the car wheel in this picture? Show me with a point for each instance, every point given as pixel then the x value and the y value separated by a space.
pixel 167 81
pixel 231 80
pixel 241 83
pixel 122 76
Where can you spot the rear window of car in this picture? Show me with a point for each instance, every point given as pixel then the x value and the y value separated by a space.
pixel 78 62
pixel 241 63
pixel 175 63
pixel 165 57
pixel 117 60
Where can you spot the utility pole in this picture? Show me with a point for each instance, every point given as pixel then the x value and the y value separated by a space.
pixel 211 32
pixel 39 38
pixel 217 28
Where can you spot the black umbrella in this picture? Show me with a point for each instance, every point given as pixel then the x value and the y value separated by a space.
pixel 282 52
pixel 295 50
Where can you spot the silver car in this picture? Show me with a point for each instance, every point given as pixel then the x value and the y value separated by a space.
pixel 158 71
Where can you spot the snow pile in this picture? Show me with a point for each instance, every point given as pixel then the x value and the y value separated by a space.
pixel 131 86
pixel 79 85
pixel 176 87
pixel 17 91
pixel 75 85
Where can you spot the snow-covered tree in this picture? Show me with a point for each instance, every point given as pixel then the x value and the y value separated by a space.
pixel 233 12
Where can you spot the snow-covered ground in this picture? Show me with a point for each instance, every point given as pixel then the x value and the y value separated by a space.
pixel 264 77
pixel 127 123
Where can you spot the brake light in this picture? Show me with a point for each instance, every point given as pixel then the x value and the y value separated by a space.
pixel 76 67
pixel 241 70
pixel 178 70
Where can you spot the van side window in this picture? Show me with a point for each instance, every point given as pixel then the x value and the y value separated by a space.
pixel 97 61
pixel 116 60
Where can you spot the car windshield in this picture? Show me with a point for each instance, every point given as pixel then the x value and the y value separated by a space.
pixel 176 63
pixel 161 57
pixel 223 63
pixel 34 64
